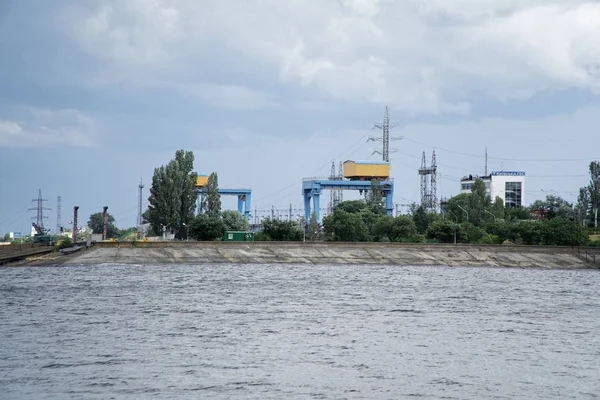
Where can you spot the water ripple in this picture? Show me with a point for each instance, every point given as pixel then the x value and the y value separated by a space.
pixel 298 331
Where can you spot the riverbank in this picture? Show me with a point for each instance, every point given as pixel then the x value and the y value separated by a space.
pixel 326 253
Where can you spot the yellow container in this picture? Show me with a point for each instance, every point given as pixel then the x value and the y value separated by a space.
pixel 201 180
pixel 366 170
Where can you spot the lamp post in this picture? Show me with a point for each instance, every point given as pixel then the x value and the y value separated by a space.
pixel 486 211
pixel 466 212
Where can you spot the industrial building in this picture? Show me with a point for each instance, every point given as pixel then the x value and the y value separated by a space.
pixel 508 185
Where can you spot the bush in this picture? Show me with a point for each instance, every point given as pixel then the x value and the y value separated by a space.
pixel 260 236
pixel 65 243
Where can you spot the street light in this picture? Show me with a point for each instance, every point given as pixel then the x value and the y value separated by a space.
pixel 466 212
pixel 490 214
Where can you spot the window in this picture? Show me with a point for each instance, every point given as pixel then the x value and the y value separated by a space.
pixel 466 186
pixel 512 196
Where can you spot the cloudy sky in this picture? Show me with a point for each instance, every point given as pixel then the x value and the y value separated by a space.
pixel 95 94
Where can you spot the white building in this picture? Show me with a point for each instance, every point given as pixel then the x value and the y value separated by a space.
pixel 508 185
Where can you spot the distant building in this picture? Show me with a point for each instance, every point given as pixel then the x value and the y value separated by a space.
pixel 508 185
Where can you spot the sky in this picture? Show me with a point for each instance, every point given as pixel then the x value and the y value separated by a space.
pixel 96 94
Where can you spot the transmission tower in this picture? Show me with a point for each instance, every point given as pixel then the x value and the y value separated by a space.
pixel 58 216
pixel 139 218
pixel 385 139
pixel 428 183
pixel 336 196
pixel 39 218
pixel 340 178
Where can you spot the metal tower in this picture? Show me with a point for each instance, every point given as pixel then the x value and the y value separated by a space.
pixel 39 218
pixel 428 183
pixel 340 193
pixel 332 177
pixel 139 217
pixel 58 216
pixel 336 195
pixel 385 139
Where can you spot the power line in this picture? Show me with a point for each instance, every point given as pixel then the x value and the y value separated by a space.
pixel 502 158
pixel 285 189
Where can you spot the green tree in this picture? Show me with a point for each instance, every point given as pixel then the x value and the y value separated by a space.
pixel 453 204
pixel 517 214
pixel 206 228
pixel 279 230
pixel 422 219
pixel 562 232
pixel 552 207
pixel 345 226
pixel 499 228
pixel 444 231
pixel 313 227
pixel 399 229
pixel 526 232
pixel 173 195
pixel 582 210
pixel 234 221
pixel 376 193
pixel 96 223
pixel 497 208
pixel 213 198
pixel 352 206
pixel 478 201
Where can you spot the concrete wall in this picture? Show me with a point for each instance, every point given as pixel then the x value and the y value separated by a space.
pixel 339 253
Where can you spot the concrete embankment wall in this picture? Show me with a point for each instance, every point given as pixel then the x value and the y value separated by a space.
pixel 338 253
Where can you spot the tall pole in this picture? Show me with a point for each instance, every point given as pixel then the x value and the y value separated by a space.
pixel 74 234
pixel 58 216
pixel 105 219
pixel 140 187
pixel 486 174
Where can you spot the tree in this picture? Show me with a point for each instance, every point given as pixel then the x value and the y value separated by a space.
pixel 313 227
pixel 526 232
pixel 552 207
pixel 445 231
pixel 352 206
pixel 453 204
pixel 345 226
pixel 376 193
pixel 234 221
pixel 517 214
pixel 206 228
pixel 399 229
pixel 478 201
pixel 583 206
pixel 96 223
pixel 213 198
pixel 422 219
pixel 173 195
pixel 594 190
pixel 279 230
pixel 562 232
pixel 497 208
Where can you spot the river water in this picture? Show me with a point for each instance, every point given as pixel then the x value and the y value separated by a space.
pixel 298 332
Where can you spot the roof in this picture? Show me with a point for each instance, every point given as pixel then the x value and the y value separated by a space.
pixel 368 162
